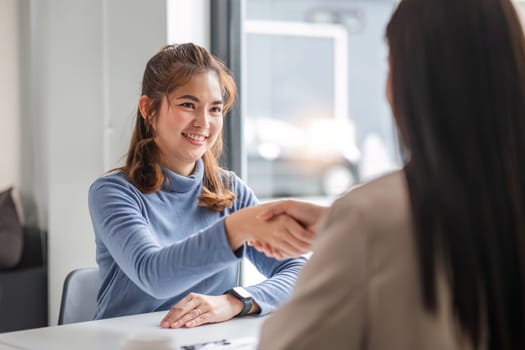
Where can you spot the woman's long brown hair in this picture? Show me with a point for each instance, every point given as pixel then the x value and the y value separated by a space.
pixel 458 83
pixel 171 67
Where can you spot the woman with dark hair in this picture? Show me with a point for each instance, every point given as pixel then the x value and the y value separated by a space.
pixel 433 256
pixel 171 225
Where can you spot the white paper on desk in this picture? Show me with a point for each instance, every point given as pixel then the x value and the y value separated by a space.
pixel 248 343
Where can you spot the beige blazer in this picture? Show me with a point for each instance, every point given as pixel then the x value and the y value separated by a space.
pixel 360 289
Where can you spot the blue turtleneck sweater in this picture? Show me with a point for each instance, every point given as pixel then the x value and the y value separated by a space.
pixel 154 249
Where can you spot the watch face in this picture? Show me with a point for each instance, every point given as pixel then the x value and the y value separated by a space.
pixel 242 292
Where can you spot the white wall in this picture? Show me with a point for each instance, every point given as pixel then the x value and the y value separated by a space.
pixel 9 97
pixel 86 61
pixel 82 66
pixel 188 21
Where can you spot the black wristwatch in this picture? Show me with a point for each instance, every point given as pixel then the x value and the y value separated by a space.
pixel 243 295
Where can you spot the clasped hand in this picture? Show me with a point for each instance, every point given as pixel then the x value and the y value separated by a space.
pixel 280 229
pixel 305 214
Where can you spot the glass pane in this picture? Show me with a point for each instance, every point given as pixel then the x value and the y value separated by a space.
pixel 316 120
pixel 520 7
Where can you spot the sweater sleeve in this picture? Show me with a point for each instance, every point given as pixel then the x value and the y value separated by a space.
pixel 281 274
pixel 118 220
pixel 281 277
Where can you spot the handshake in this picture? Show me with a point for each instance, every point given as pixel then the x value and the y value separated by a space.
pixel 281 229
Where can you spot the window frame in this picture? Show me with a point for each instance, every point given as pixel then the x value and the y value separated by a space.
pixel 227 43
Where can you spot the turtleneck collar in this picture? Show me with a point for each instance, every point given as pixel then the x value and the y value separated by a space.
pixel 177 183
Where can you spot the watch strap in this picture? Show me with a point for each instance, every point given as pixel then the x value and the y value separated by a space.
pixel 247 302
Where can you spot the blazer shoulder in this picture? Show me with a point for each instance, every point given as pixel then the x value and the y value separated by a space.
pixel 380 194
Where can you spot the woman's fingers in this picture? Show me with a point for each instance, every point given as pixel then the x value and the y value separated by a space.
pixel 197 309
pixel 182 312
pixel 303 236
pixel 281 237
pixel 307 214
pixel 273 209
pixel 291 238
pixel 256 244
pixel 268 250
pixel 288 249
pixel 202 319
pixel 197 317
pixel 263 247
pixel 289 219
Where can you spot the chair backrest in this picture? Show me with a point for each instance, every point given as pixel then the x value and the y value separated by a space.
pixel 79 296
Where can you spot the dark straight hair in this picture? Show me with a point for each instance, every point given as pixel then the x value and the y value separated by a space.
pixel 458 83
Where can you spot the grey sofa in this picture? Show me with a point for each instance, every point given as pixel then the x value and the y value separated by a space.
pixel 23 288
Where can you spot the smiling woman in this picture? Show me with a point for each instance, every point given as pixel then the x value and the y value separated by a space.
pixel 188 123
pixel 172 83
pixel 171 224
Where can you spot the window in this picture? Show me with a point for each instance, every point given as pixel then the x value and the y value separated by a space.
pixel 520 7
pixel 315 118
pixel 299 140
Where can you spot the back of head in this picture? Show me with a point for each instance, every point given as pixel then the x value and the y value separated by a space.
pixel 458 83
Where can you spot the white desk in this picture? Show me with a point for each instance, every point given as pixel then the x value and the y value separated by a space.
pixel 111 333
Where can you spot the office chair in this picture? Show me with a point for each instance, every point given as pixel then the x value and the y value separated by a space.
pixel 79 296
